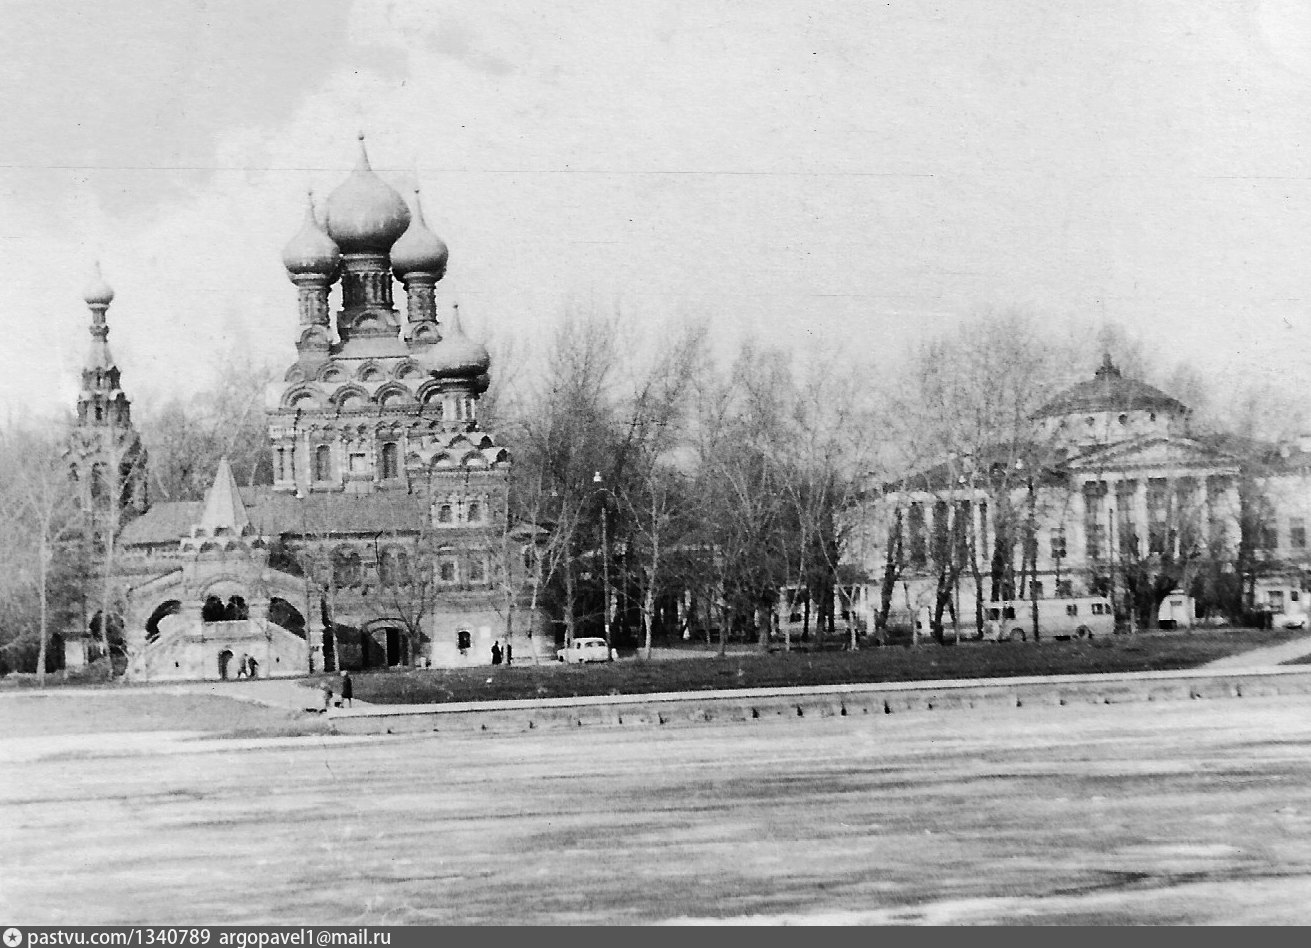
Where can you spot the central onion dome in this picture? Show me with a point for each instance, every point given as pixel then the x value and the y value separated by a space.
pixel 365 214
pixel 98 292
pixel 419 250
pixel 458 356
pixel 311 250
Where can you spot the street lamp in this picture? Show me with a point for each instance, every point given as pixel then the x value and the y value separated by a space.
pixel 605 565
pixel 305 575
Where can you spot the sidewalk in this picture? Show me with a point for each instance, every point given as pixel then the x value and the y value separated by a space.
pixel 272 692
pixel 1265 657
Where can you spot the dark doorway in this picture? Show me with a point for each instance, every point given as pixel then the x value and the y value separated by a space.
pixel 464 640
pixel 224 660
pixel 395 655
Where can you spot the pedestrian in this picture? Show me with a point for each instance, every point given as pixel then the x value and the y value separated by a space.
pixel 509 653
pixel 496 653
pixel 347 690
pixel 252 667
pixel 242 668
pixel 327 694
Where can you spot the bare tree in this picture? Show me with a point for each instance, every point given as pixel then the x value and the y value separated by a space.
pixel 42 512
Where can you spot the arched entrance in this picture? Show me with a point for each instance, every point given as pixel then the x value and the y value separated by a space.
pixel 170 608
pixel 284 614
pixel 224 661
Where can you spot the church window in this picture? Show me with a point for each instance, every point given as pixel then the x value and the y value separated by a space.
pixel 394 569
pixel 1123 419
pixel 322 463
pixel 1297 533
pixel 445 514
pixel 99 489
pixel 213 610
pixel 346 569
pixel 282 464
pixel 391 468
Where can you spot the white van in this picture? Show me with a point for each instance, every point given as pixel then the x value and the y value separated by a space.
pixel 1075 617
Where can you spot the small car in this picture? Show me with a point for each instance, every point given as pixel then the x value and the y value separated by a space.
pixel 1283 620
pixel 585 650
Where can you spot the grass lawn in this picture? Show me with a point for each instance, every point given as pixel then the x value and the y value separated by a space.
pixel 1158 651
pixel 56 712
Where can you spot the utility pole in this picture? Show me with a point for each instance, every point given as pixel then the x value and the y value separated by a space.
pixel 605 566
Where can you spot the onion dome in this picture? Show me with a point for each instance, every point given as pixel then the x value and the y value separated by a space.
pixel 98 292
pixel 419 250
pixel 365 214
pixel 311 250
pixel 458 356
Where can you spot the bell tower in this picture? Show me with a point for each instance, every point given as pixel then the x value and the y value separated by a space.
pixel 106 459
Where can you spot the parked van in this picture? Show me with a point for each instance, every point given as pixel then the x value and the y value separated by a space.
pixel 1075 617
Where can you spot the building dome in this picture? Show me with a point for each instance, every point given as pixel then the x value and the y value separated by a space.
pixel 419 250
pixel 365 214
pixel 311 250
pixel 1110 391
pixel 98 292
pixel 458 356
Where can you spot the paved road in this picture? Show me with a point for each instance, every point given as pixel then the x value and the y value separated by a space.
pixel 1146 813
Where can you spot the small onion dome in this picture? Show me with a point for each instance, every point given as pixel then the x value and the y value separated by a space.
pixel 365 214
pixel 458 356
pixel 419 250
pixel 311 250
pixel 98 292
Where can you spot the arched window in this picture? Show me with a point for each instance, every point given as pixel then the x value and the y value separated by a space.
pixel 346 569
pixel 445 514
pixel 99 489
pixel 391 468
pixel 463 640
pixel 213 610
pixel 236 609
pixel 394 568
pixel 322 463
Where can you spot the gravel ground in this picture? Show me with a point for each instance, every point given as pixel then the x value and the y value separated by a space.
pixel 1194 812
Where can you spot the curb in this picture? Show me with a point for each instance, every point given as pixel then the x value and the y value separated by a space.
pixel 748 704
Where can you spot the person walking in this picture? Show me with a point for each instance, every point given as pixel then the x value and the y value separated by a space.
pixel 347 690
pixel 509 653
pixel 327 694
pixel 496 653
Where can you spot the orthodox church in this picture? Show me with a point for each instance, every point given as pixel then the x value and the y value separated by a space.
pixel 384 538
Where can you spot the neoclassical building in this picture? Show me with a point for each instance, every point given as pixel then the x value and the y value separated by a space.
pixel 384 538
pixel 1109 493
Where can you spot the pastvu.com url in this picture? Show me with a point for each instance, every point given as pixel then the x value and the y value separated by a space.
pixel 147 937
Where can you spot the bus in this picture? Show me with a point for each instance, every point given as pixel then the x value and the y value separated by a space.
pixel 1063 619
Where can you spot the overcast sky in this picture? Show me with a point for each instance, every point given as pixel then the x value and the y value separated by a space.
pixel 847 176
